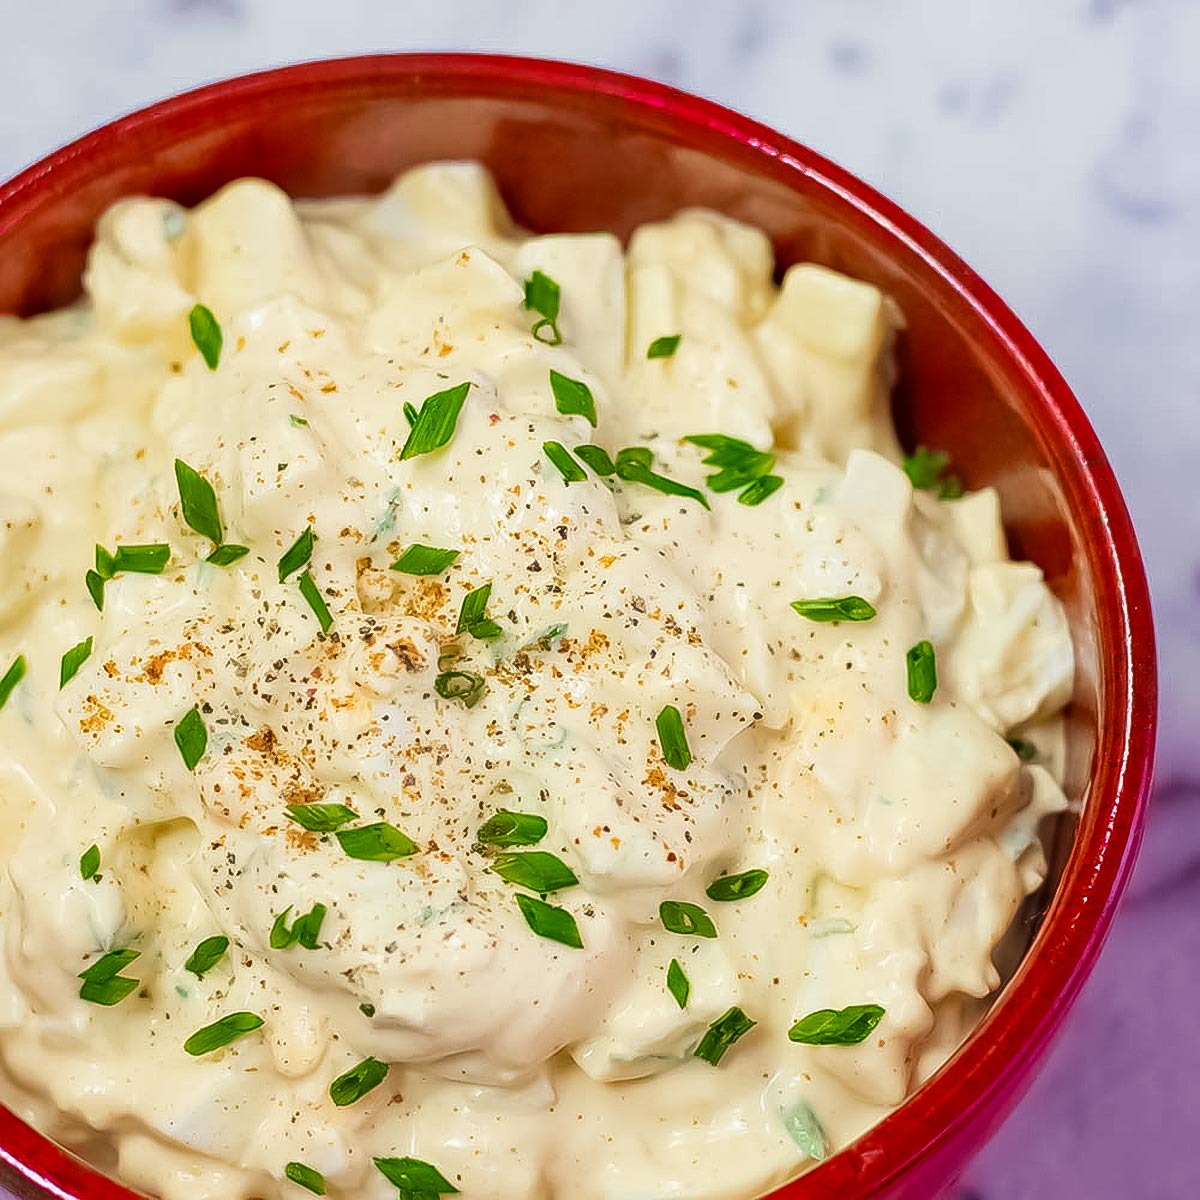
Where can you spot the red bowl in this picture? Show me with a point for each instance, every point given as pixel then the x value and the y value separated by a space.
pixel 574 148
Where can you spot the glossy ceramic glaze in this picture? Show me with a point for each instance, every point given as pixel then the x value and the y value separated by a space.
pixel 574 149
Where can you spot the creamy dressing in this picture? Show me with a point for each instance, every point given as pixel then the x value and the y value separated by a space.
pixel 899 838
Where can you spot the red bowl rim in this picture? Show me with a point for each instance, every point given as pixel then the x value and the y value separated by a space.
pixel 1022 1020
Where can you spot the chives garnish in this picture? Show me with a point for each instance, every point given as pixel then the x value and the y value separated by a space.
pixel 554 924
pixel 304 1175
pixel 678 984
pixel 512 829
pixel 690 920
pixel 736 887
pixel 206 334
pixel 380 842
pixel 191 736
pixel 537 870
pixel 12 677
pixel 1025 750
pixel 672 738
pixel 633 466
pixel 227 555
pixel 436 421
pixel 136 560
pixel 568 468
pixel 321 818
pixel 573 397
pixel 410 413
pixel 102 981
pixel 473 618
pixel 543 296
pixel 89 863
pixel 355 1083
pixel 424 560
pixel 416 1179
pixel 198 503
pixel 597 458
pixel 298 554
pixel 739 465
pixel 221 1033
pixel 300 422
pixel 929 470
pixel 722 1033
pixel 835 608
pixel 207 955
pixel 95 587
pixel 760 490
pixel 310 592
pixel 664 347
pixel 806 1131
pixel 922 672
pixel 304 931
pixel 837 1026
pixel 460 685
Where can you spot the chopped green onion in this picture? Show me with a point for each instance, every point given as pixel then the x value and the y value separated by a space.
pixel 597 458
pixel 310 592
pixel 354 1084
pixel 1025 750
pixel 633 466
pixel 672 738
pixel 206 334
pixel 139 560
pixel 922 672
pixel 227 554
pixel 12 677
pixel 473 618
pixel 367 1010
pixel 736 887
pixel 460 685
pixel 380 842
pixel 806 1131
pixel 535 869
pixel 728 1028
pixel 837 1026
pixel 436 422
pixel 298 421
pixel 221 1033
pixel 95 587
pixel 664 347
pixel 690 920
pixel 678 984
pixel 304 931
pixel 543 296
pixel 306 1177
pixel 928 469
pixel 410 413
pixel 298 554
pixel 547 921
pixel 198 503
pixel 206 955
pixel 321 818
pixel 89 863
pixel 417 1180
pixel 573 397
pixel 102 981
pixel 191 736
pixel 760 490
pixel 839 608
pixel 568 468
pixel 512 829
pixel 424 560
pixel 739 465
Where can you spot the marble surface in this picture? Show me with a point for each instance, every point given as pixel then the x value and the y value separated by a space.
pixel 1054 146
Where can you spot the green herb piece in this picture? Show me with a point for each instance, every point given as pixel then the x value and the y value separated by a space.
pixel 1025 750
pixel 227 555
pixel 672 738
pixel 410 413
pixel 951 489
pixel 417 1180
pixel 424 560
pixel 95 587
pixel 535 869
pixel 105 564
pixel 473 618
pixel 436 422
pixel 12 677
pixel 839 608
pixel 664 347
pixel 310 592
pixel 206 334
pixel 460 685
pixel 554 924
pixel 380 842
pixel 928 470
pixel 367 1010
pixel 321 818
pixel 573 397
pixel 543 296
pixel 806 1131
pixel 690 920
pixel 597 458
pixel 922 672
pixel 191 736
pixel 298 554
pixel 837 1026
pixel 568 468
pixel 736 887
pixel 221 1033
pixel 678 984
pixel 207 955
pixel 102 981
pixel 760 490
pixel 728 1028
pixel 306 1177
pixel 305 929
pixel 297 421
pixel 198 503
pixel 355 1083
pixel 89 863
pixel 738 462
pixel 633 465
pixel 512 829
pixel 139 560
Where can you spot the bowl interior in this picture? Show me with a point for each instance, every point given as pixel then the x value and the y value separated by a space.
pixel 574 149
